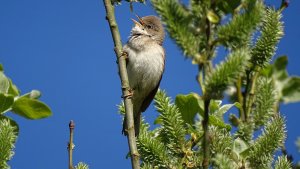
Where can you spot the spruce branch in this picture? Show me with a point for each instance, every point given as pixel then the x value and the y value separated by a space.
pixel 283 163
pixel 154 151
pixel 178 23
pixel 238 31
pixel 81 165
pixel 110 16
pixel 224 162
pixel 271 140
pixel 245 131
pixel 264 102
pixel 8 137
pixel 221 141
pixel 226 73
pixel 173 132
pixel 266 45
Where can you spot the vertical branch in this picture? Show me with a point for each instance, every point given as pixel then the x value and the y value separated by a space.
pixel 70 144
pixel 240 98
pixel 250 98
pixel 206 138
pixel 110 16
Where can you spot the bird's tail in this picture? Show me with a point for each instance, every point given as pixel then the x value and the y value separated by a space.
pixel 137 123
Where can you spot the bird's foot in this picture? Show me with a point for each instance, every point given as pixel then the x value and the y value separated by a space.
pixel 129 94
pixel 125 55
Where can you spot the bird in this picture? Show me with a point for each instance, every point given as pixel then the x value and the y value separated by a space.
pixel 145 64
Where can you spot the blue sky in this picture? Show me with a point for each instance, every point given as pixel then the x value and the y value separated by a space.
pixel 64 49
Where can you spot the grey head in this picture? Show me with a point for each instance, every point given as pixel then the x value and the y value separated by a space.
pixel 149 26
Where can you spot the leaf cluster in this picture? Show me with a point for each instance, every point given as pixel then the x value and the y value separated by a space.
pixel 177 143
pixel 26 105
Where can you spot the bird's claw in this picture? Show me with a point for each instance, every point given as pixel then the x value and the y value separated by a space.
pixel 129 95
pixel 125 55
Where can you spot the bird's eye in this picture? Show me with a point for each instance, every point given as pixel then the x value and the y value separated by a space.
pixel 149 26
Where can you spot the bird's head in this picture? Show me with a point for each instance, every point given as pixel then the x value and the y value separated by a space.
pixel 150 26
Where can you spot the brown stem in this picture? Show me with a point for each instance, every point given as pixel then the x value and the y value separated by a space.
pixel 110 16
pixel 206 138
pixel 240 98
pixel 250 98
pixel 245 93
pixel 71 144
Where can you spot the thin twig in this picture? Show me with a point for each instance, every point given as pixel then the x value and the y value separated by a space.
pixel 71 144
pixel 110 16
pixel 284 4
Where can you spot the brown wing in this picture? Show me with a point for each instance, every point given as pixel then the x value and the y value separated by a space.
pixel 149 98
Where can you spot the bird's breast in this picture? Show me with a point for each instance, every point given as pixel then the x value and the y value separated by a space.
pixel 145 67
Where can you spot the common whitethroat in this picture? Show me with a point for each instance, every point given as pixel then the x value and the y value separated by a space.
pixel 145 66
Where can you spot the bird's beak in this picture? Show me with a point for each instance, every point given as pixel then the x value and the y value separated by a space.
pixel 139 23
pixel 140 19
pixel 136 23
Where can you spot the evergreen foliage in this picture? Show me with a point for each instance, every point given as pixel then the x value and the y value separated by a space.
pixel 271 33
pixel 245 130
pixel 8 137
pixel 265 100
pixel 172 132
pixel 221 141
pixel 227 73
pixel 178 19
pixel 282 163
pixel 239 30
pixel 264 147
pixel 81 165
pixel 192 132
pixel 223 162
pixel 153 150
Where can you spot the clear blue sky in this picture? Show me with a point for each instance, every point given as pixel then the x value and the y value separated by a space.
pixel 64 49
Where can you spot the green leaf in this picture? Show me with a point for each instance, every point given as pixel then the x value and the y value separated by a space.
pixel 189 105
pixel 222 110
pixel 4 83
pixel 234 120
pixel 279 68
pixel 31 108
pixel 228 6
pixel 239 148
pixel 214 105
pixel 281 63
pixel 12 122
pixel 291 90
pixel 212 17
pixel 1 68
pixel 13 90
pixel 6 101
pixel 216 121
